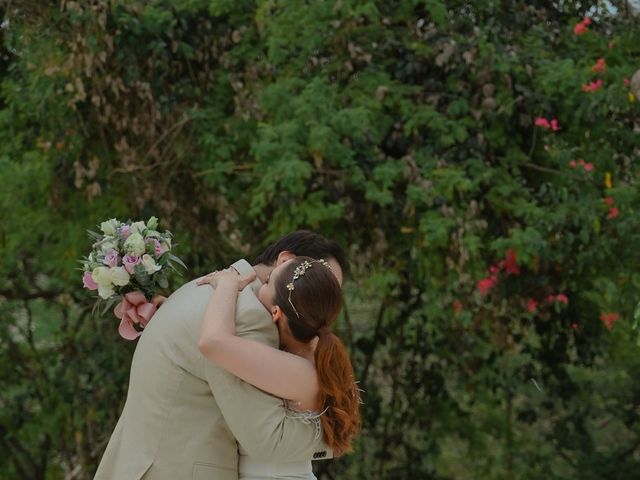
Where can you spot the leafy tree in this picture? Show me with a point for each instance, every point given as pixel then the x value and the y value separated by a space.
pixel 494 250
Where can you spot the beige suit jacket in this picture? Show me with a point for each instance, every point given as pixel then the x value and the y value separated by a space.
pixel 183 414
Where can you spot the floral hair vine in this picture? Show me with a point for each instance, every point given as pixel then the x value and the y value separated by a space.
pixel 299 272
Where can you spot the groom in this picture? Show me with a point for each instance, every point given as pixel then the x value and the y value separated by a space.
pixel 183 414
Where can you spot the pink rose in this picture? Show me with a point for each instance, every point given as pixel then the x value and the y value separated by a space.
pixel 129 262
pixel 111 258
pixel 87 281
pixel 157 247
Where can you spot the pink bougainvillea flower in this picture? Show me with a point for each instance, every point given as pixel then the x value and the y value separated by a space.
pixel 609 319
pixel 486 285
pixel 457 306
pixel 574 326
pixel 613 212
pixel 549 125
pixel 532 305
pixel 562 298
pixel 542 122
pixel 609 201
pixel 600 66
pixel 581 28
pixel 510 263
pixel 592 87
pixel 572 164
pixel 588 167
pixel 551 298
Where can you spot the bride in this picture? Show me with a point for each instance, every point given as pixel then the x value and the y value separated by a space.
pixel 312 371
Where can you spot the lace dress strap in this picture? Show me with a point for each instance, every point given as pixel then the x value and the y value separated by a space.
pixel 306 416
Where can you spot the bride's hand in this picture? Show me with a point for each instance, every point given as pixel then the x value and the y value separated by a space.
pixel 229 275
pixel 158 300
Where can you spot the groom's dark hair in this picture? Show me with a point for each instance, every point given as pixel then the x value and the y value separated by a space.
pixel 304 243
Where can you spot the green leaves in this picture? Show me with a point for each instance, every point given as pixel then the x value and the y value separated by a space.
pixel 406 131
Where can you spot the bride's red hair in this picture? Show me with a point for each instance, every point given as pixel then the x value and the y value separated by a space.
pixel 317 298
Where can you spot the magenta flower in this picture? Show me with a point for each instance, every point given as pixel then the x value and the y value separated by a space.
pixel 609 319
pixel 510 263
pixel 600 66
pixel 542 122
pixel 552 125
pixel 486 285
pixel 581 28
pixel 592 86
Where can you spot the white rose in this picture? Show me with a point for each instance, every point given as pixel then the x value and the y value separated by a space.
pixel 108 245
pixel 102 276
pixel 119 276
pixel 150 264
pixel 137 227
pixel 105 292
pixel 134 245
pixel 109 227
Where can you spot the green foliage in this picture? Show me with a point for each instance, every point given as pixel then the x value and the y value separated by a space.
pixel 405 130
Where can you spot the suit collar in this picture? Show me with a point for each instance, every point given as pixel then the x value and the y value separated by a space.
pixel 244 268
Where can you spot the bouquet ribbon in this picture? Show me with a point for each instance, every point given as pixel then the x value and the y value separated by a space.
pixel 133 309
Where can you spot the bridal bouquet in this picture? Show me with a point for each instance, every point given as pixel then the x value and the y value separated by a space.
pixel 127 264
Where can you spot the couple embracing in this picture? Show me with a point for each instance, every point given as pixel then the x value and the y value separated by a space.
pixel 239 376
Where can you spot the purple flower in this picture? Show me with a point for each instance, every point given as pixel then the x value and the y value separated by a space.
pixel 129 262
pixel 111 258
pixel 125 231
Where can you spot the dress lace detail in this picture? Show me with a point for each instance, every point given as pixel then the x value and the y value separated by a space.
pixel 306 416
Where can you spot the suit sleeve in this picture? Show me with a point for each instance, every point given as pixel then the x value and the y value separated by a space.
pixel 259 421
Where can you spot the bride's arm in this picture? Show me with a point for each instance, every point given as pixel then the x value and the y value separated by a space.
pixel 280 373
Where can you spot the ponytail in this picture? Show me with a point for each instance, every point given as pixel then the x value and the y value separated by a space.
pixel 338 392
pixel 311 299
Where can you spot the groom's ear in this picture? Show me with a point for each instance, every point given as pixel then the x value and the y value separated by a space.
pixel 284 256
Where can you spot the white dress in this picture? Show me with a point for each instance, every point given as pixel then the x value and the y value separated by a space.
pixel 250 469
